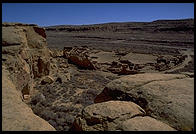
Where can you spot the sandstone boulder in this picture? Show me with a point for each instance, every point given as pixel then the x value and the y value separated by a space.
pixel 167 97
pixel 41 67
pixel 79 57
pixel 47 80
pixel 145 123
pixel 106 116
pixel 117 116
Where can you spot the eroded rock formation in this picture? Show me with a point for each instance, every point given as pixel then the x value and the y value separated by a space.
pixel 79 57
pixel 167 97
pixel 24 54
pixel 116 115
pixel 26 57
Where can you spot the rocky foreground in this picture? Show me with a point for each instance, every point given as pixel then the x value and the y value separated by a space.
pixel 86 89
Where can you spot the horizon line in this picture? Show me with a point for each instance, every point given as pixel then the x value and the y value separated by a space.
pixel 104 22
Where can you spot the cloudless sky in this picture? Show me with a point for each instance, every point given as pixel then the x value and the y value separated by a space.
pixel 45 14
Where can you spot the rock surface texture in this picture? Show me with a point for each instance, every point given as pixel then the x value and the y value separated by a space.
pixel 16 115
pixel 167 97
pixel 78 57
pixel 25 57
pixel 145 123
pixel 116 115
pixel 25 54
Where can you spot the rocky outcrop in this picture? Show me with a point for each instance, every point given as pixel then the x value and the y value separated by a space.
pixel 21 54
pixel 47 80
pixel 79 57
pixel 16 115
pixel 115 115
pixel 40 31
pixel 26 56
pixel 41 67
pixel 167 97
pixel 145 123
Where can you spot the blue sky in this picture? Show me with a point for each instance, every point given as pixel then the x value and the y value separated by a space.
pixel 45 14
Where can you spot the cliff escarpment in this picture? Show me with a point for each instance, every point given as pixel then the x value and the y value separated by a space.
pixel 25 57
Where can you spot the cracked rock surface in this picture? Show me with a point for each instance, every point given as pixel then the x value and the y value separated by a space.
pixel 167 97
pixel 116 115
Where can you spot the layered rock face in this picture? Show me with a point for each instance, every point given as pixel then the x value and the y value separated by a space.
pixel 25 54
pixel 26 57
